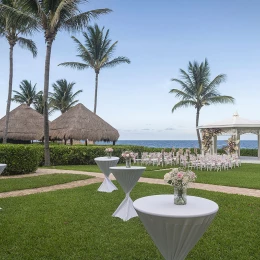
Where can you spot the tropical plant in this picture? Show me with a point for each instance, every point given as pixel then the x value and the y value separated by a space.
pixel 198 91
pixel 13 32
pixel 96 54
pixel 52 16
pixel 62 98
pixel 27 95
pixel 38 104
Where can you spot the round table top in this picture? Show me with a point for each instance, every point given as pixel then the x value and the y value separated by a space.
pixel 2 164
pixel 163 205
pixel 105 158
pixel 125 168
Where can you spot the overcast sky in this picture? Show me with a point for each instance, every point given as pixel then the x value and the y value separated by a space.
pixel 159 37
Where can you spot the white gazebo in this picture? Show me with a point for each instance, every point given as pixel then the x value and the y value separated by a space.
pixel 235 126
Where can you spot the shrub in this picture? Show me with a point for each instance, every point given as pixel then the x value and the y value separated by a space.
pixel 20 159
pixel 80 154
pixel 249 152
pixel 76 155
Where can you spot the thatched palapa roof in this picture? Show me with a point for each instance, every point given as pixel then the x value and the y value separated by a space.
pixel 24 124
pixel 80 123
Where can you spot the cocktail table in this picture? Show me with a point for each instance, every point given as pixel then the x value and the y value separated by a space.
pixel 175 229
pixel 127 178
pixel 2 167
pixel 104 163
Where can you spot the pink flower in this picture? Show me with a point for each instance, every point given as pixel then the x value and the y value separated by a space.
pixel 180 175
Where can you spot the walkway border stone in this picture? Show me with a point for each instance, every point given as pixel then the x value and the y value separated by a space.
pixel 69 185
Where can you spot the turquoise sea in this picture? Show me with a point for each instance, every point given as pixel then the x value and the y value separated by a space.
pixel 249 144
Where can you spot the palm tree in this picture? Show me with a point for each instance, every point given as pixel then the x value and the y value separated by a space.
pixel 27 95
pixel 62 98
pixel 38 104
pixel 96 54
pixel 52 16
pixel 12 31
pixel 198 91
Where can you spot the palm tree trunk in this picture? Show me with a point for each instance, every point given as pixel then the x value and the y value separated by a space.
pixel 45 98
pixel 9 93
pixel 197 124
pixel 96 89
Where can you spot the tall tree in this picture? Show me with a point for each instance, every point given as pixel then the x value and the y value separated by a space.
pixel 96 54
pixel 53 16
pixel 13 33
pixel 27 95
pixel 197 90
pixel 63 98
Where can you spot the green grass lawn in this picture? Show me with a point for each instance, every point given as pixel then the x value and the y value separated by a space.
pixel 246 176
pixel 38 181
pixel 77 224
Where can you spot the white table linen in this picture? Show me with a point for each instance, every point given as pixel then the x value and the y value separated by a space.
pixel 104 163
pixel 2 167
pixel 175 229
pixel 127 178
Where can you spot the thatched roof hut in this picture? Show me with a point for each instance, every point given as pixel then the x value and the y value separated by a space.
pixel 80 123
pixel 24 124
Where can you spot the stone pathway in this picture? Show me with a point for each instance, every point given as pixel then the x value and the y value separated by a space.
pixel 69 185
pixel 99 178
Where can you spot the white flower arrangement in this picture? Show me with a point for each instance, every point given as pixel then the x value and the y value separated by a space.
pixel 179 177
pixel 109 150
pixel 232 145
pixel 128 155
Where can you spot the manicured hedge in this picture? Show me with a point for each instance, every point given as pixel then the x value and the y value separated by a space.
pixel 249 152
pixel 20 159
pixel 80 154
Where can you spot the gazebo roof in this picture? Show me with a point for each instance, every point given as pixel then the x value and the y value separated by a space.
pixel 233 122
pixel 80 123
pixel 24 124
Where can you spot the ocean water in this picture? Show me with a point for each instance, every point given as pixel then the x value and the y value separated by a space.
pixel 248 144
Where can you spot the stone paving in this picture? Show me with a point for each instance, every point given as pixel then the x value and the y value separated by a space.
pixel 99 178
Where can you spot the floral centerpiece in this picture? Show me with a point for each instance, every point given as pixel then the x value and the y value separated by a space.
pixel 180 178
pixel 128 155
pixel 109 152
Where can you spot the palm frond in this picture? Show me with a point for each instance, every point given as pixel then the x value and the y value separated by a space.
pixel 115 62
pixel 189 89
pixel 221 78
pixel 183 103
pixel 27 94
pixel 17 18
pixel 74 65
pixel 221 100
pixel 106 53
pixel 181 94
pixel 80 21
pixel 84 53
pixel 185 76
pixel 28 44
